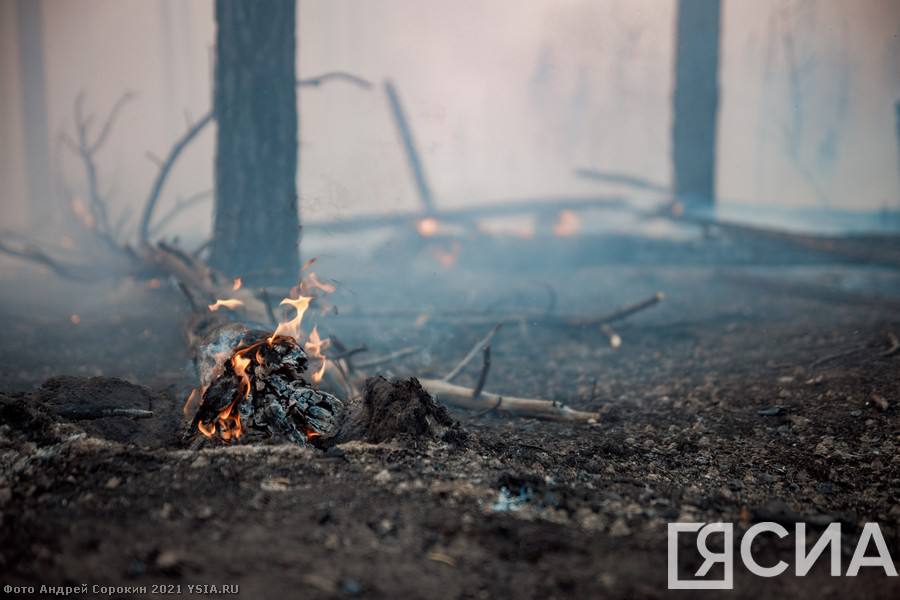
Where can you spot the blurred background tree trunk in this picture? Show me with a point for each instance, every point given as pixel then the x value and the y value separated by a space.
pixel 34 113
pixel 695 101
pixel 256 228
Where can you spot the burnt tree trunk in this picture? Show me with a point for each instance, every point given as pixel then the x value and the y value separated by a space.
pixel 256 229
pixel 695 101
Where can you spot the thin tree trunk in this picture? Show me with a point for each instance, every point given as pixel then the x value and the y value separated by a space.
pixel 695 101
pixel 256 227
pixel 34 110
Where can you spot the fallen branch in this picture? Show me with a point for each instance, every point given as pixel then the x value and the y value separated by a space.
pixel 462 397
pixel 830 357
pixel 80 412
pixel 894 348
pixel 387 358
pixel 477 317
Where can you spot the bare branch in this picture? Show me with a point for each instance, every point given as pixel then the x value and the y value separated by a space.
pixel 334 75
pixel 485 368
pixel 32 253
pixel 156 190
pixel 180 206
pixel 110 120
pixel 152 157
pixel 472 353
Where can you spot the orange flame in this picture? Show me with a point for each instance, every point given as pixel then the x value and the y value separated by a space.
pixel 228 422
pixel 314 347
pixel 191 400
pixel 292 328
pixel 207 430
pixel 237 284
pixel 230 304
pixel 567 224
pixel 312 282
pixel 240 364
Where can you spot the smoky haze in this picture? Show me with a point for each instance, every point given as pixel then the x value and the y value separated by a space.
pixel 505 100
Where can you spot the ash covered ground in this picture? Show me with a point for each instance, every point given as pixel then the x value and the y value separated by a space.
pixel 750 394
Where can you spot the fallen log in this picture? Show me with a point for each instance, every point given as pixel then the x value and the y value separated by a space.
pixel 876 249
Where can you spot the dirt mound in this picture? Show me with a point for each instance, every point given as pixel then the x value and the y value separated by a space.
pixel 398 409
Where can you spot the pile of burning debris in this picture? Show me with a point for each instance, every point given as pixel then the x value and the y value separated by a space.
pixel 261 380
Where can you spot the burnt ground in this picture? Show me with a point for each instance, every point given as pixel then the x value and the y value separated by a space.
pixel 738 399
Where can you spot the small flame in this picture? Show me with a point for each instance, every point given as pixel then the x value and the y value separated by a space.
pixel 312 282
pixel 292 328
pixel 230 304
pixel 237 284
pixel 190 402
pixel 207 430
pixel 427 227
pixel 314 347
pixel 240 364
pixel 76 319
pixel 309 263
pixel 154 283
pixel 568 223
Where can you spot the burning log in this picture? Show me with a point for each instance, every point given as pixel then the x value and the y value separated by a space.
pixel 258 379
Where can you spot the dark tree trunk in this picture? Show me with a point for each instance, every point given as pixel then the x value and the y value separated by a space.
pixel 34 111
pixel 256 230
pixel 696 100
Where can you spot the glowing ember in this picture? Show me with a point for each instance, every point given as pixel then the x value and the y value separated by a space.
pixel 568 223
pixel 230 304
pixel 81 211
pixel 447 257
pixel 427 227
pixel 237 284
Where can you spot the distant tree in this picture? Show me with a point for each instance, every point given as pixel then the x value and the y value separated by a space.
pixel 695 101
pixel 256 230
